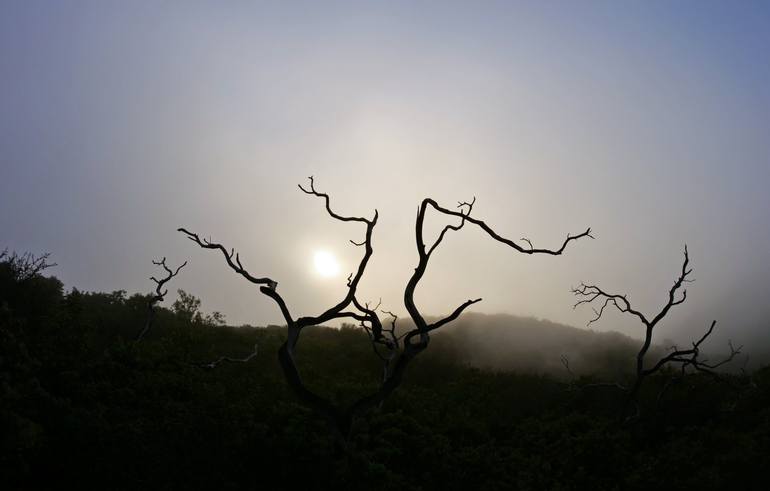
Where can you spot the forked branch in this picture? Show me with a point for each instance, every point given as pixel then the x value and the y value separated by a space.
pixel 424 255
pixel 160 293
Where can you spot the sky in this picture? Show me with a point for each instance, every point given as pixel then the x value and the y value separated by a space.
pixel 647 121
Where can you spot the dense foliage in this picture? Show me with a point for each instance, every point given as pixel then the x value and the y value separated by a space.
pixel 82 404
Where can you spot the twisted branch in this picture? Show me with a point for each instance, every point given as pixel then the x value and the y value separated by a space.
pixel 159 295
pixel 354 279
pixel 416 340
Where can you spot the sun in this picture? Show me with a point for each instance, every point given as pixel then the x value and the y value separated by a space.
pixel 326 264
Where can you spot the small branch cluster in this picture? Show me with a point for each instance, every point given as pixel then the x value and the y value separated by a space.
pixel 690 357
pixel 159 295
pixel 386 344
pixel 27 265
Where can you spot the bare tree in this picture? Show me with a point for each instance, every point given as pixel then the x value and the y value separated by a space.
pixel 686 358
pixel 396 352
pixel 159 295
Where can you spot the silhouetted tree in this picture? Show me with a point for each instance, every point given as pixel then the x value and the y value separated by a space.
pixel 159 294
pixel 23 287
pixel 25 266
pixel 395 351
pixel 187 307
pixel 685 358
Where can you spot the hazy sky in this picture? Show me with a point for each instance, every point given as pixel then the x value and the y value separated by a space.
pixel 648 121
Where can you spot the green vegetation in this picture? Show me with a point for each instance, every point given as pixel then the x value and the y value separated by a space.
pixel 83 405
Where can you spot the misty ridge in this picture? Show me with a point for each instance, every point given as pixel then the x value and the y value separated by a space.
pixel 528 345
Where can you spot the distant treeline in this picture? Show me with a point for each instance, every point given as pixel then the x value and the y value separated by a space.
pixel 82 404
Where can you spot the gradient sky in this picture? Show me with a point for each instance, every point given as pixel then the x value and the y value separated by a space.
pixel 648 121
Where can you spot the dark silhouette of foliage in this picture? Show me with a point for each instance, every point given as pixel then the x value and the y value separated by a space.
pixel 25 266
pixel 84 406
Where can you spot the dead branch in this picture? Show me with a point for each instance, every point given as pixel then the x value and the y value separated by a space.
pixel 565 362
pixel 228 359
pixel 159 295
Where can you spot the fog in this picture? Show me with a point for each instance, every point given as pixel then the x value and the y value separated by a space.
pixel 502 342
pixel 647 122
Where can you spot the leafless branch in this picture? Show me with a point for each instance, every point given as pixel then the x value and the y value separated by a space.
pixel 229 256
pixel 355 278
pixel 393 320
pixel 454 315
pixel 486 228
pixel 160 293
pixel 334 215
pixel 589 293
pixel 565 362
pixel 422 327
pixel 227 359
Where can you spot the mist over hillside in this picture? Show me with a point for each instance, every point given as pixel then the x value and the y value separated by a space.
pixel 526 344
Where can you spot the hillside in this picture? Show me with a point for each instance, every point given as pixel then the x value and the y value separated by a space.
pixel 84 405
pixel 525 344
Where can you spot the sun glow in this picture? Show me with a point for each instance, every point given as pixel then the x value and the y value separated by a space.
pixel 326 264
